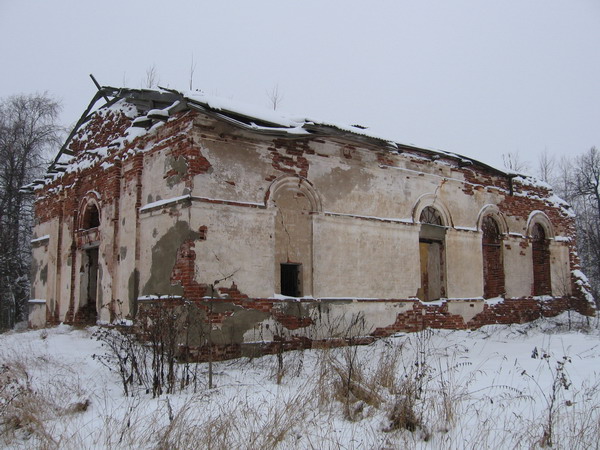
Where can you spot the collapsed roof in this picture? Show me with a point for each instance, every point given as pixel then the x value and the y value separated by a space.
pixel 158 105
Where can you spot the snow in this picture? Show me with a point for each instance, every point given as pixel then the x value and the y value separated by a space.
pixel 173 200
pixel 488 388
pixel 494 301
pixel 466 228
pixel 287 297
pixel 250 111
pixel 46 237
pixel 165 202
pixel 358 216
pixel 146 298
pixel 158 113
pixel 562 238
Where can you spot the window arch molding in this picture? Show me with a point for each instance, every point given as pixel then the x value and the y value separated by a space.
pixel 493 212
pixel 430 200
pixel 538 217
pixel 91 200
pixel 294 183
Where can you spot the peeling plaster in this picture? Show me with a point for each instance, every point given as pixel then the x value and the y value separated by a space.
pixel 164 255
pixel 44 274
pixel 178 165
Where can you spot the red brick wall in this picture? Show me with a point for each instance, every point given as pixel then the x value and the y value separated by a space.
pixel 493 267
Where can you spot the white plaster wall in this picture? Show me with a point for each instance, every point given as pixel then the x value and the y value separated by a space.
pixel 366 259
pixel 153 227
pixel 560 275
pixel 466 309
pixel 44 253
pixel 126 264
pixel 239 244
pixel 154 180
pixel 64 284
pixel 335 319
pixel 464 264
pixel 238 171
pixel 518 268
pixel 37 315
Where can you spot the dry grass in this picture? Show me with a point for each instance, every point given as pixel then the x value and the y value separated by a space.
pixel 403 392
pixel 27 407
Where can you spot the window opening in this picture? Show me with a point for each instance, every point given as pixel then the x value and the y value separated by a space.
pixel 91 217
pixel 431 216
pixel 432 255
pixel 493 268
pixel 290 280
pixel 541 261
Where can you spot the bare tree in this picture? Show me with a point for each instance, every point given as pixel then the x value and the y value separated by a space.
pixel 562 179
pixel 275 97
pixel 585 186
pixel 513 161
pixel 546 164
pixel 152 79
pixel 192 70
pixel 28 130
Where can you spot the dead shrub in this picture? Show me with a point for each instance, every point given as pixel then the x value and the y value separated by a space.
pixel 403 416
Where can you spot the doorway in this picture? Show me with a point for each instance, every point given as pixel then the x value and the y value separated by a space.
pixel 88 310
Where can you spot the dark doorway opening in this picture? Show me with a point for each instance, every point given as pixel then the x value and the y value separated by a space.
pixel 290 280
pixel 89 312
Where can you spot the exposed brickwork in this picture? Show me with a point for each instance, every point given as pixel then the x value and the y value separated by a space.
pixel 109 164
pixel 289 156
pixel 493 267
pixel 541 262
pixel 419 317
pixel 102 129
pixel 184 272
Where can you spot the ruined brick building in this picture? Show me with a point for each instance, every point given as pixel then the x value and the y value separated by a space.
pixel 164 196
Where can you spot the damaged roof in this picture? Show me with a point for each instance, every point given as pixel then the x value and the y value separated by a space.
pixel 159 105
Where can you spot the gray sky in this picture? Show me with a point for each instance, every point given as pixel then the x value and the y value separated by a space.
pixel 475 77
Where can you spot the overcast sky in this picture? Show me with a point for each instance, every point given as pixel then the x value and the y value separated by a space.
pixel 476 77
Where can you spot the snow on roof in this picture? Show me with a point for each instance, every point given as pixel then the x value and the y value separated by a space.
pixel 162 103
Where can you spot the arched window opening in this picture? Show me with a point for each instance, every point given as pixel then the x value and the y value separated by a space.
pixel 432 238
pixel 541 261
pixel 91 217
pixel 293 242
pixel 431 216
pixel 493 268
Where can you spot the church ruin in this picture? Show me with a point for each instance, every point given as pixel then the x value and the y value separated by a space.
pixel 279 222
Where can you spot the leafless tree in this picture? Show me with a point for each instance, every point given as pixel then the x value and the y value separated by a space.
pixel 192 70
pixel 562 178
pixel 28 131
pixel 275 97
pixel 152 79
pixel 513 161
pixel 585 186
pixel 546 164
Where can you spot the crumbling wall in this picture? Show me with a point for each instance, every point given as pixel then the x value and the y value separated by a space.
pixel 196 209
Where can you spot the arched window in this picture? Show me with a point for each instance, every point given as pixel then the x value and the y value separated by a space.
pixel 294 201
pixel 541 261
pixel 431 216
pixel 432 238
pixel 91 217
pixel 493 268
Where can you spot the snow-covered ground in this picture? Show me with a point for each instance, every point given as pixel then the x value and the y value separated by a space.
pixel 519 386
